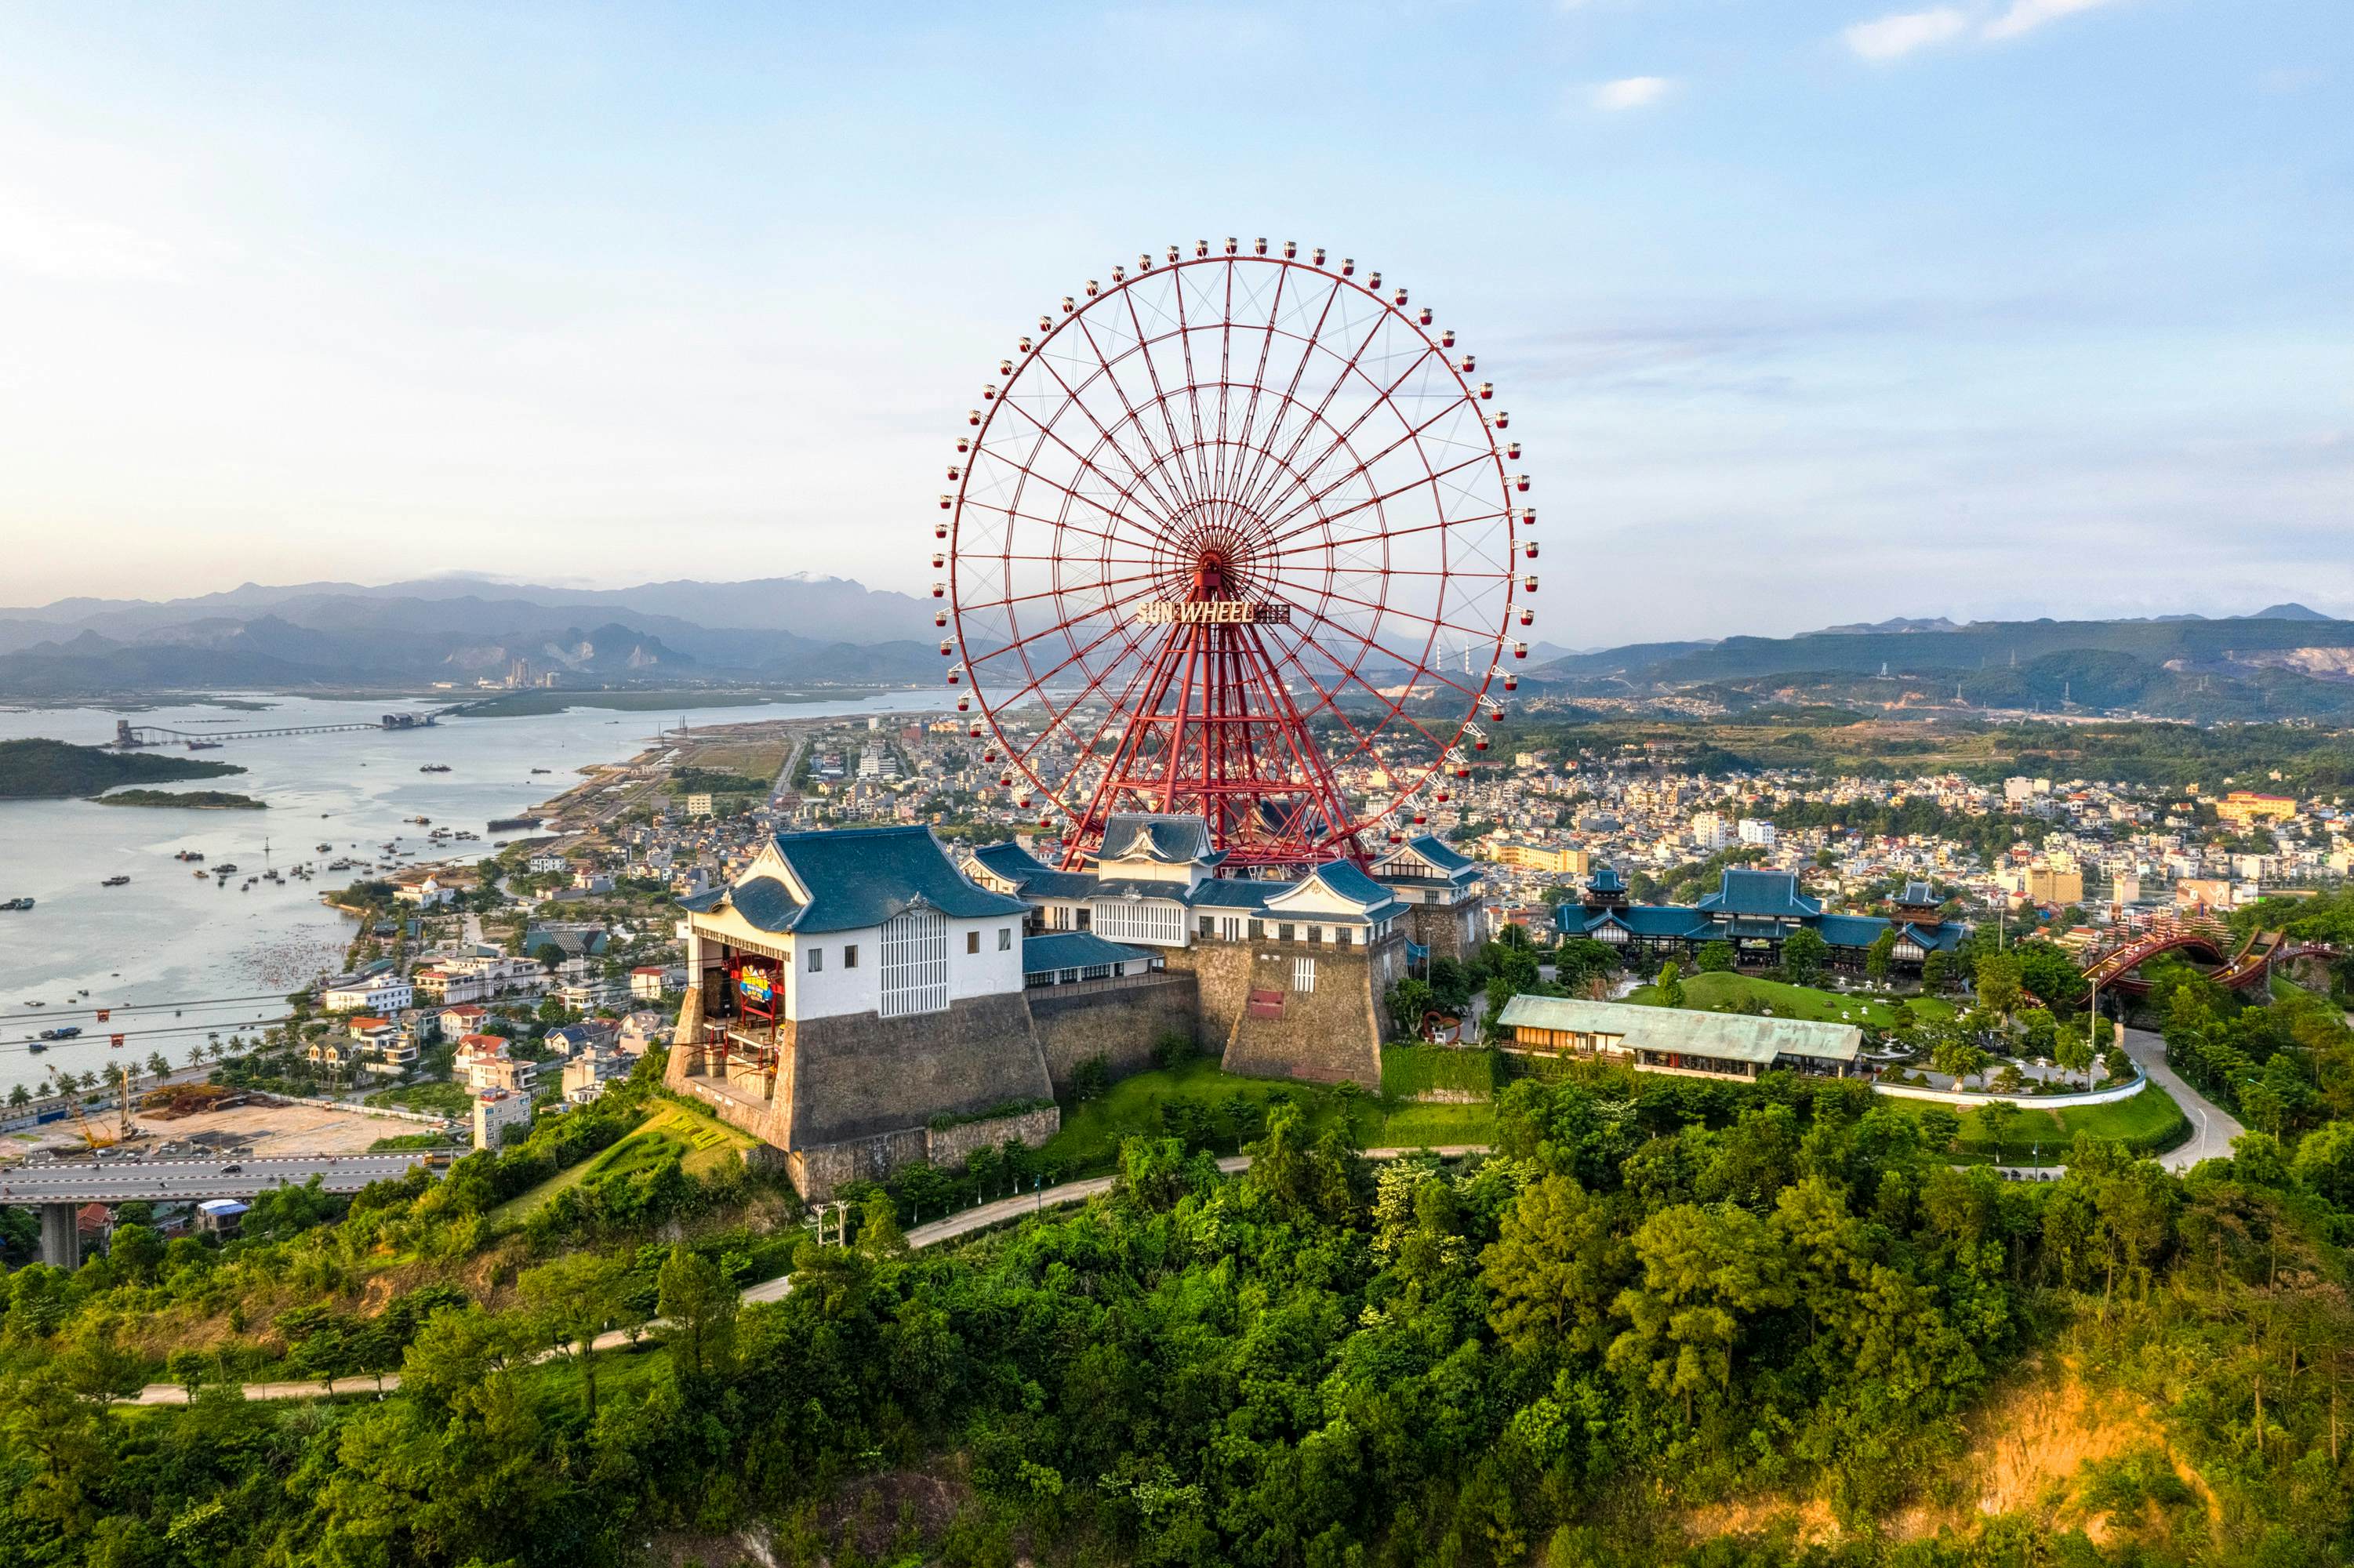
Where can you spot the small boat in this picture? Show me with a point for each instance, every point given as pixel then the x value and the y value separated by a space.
pixel 117 879
pixel 435 767
pixel 326 849
pixel 17 904
pixel 543 770
pixel 37 1047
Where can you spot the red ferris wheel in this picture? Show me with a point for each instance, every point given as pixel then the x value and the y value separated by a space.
pixel 1237 533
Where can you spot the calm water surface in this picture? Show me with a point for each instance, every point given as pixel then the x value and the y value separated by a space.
pixel 172 935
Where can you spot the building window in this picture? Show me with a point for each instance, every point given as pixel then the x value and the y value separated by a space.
pixel 1430 895
pixel 1316 933
pixel 1209 924
pixel 1340 935
pixel 1158 921
pixel 850 955
pixel 1005 939
pixel 973 942
pixel 1257 928
pixel 1283 932
pixel 915 976
pixel 817 960
pixel 1303 974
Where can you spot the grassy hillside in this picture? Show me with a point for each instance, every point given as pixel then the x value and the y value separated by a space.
pixel 48 769
pixel 702 1144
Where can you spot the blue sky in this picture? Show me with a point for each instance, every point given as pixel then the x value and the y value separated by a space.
pixel 1807 311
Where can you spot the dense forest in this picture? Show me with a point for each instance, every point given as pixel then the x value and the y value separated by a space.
pixel 1666 1321
pixel 31 770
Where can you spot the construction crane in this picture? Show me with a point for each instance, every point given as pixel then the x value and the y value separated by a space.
pixel 90 1134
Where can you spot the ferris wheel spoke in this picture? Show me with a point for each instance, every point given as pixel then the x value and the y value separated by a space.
pixel 1175 472
pixel 1430 475
pixel 1106 607
pixel 1127 493
pixel 1252 487
pixel 1436 623
pixel 1372 646
pixel 1193 385
pixel 1383 399
pixel 1169 506
pixel 1227 487
pixel 1432 478
pixel 1258 501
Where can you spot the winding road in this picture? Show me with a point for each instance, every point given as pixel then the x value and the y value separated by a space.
pixel 2213 1128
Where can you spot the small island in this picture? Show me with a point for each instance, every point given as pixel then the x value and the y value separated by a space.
pixel 55 769
pixel 187 801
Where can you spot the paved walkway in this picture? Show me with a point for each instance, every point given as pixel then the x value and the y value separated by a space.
pixel 965 1222
pixel 2212 1127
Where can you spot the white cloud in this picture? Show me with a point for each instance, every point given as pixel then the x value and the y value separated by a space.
pixel 1630 92
pixel 1891 37
pixel 2025 16
pixel 52 244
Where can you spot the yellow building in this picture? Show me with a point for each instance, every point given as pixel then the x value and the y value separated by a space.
pixel 2054 884
pixel 1562 860
pixel 2242 807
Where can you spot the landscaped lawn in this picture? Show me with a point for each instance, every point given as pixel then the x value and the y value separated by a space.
pixel 2150 1122
pixel 1725 992
pixel 702 1143
pixel 1092 1130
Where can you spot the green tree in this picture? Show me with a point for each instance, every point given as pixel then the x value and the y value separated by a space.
pixel 698 1305
pixel 136 1250
pixel 548 956
pixel 1670 984
pixel 1805 956
pixel 1705 1272
pixel 571 1301
pixel 1877 957
pixel 1936 972
pixel 1716 958
pixel 1553 1271
pixel 1997 978
pixel 2072 1052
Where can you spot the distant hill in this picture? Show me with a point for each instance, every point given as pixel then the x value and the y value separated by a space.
pixel 38 769
pixel 341 635
pixel 2290 665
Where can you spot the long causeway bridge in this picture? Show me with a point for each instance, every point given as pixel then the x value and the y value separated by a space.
pixel 129 735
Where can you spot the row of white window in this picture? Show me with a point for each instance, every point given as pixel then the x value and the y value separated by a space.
pixel 850 950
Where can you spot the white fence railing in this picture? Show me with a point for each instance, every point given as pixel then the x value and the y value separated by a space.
pixel 2024 1101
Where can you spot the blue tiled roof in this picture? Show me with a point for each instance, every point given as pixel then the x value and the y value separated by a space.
pixel 1440 853
pixel 1605 878
pixel 1850 930
pixel 766 902
pixel 860 877
pixel 1235 893
pixel 1033 876
pixel 1345 879
pixel 1916 892
pixel 1769 893
pixel 1074 950
pixel 1173 839
pixel 1944 938
pixel 1648 920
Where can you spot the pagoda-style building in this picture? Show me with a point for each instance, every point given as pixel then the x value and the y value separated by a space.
pixel 1754 912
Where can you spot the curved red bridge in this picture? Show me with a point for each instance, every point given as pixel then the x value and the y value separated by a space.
pixel 2201 938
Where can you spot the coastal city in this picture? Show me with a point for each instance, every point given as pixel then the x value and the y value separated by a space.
pixel 1563 784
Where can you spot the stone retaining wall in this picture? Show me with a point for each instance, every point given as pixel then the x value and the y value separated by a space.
pixel 949 1147
pixel 1120 1021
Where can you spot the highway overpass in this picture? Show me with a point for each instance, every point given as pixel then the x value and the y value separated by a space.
pixel 59 1188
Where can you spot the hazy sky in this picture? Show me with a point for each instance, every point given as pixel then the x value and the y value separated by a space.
pixel 1806 312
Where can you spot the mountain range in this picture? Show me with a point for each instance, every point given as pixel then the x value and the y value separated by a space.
pixel 2283 662
pixel 815 631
